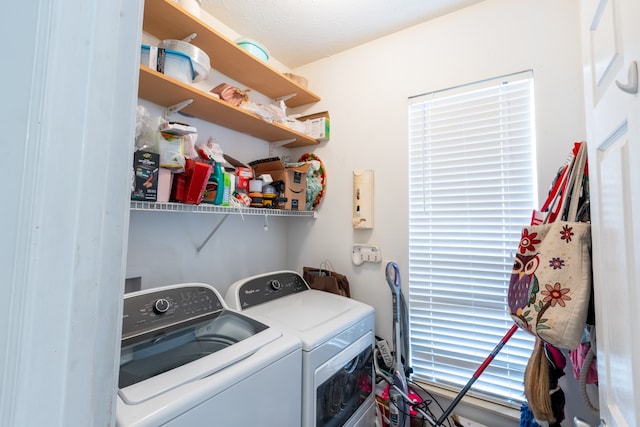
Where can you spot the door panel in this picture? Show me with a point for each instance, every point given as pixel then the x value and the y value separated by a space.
pixel 617 387
pixel 605 51
pixel 611 43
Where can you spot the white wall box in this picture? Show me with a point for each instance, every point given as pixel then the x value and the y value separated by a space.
pixel 362 199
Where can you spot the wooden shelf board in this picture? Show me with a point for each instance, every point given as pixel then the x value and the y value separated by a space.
pixel 166 20
pixel 166 91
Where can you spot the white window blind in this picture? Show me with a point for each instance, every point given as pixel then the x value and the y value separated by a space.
pixel 472 188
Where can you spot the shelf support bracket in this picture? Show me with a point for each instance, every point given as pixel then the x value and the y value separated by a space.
pixel 177 107
pixel 282 142
pixel 190 37
pixel 285 97
pixel 283 102
pixel 199 248
pixel 278 144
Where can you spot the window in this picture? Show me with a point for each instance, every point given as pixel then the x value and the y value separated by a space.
pixel 472 188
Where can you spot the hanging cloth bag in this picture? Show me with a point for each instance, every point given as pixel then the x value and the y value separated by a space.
pixel 551 280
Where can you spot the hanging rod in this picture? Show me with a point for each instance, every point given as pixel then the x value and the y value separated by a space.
pixel 199 248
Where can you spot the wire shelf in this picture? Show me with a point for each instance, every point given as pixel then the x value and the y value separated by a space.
pixel 215 209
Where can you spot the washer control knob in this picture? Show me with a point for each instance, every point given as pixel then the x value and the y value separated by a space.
pixel 275 284
pixel 161 306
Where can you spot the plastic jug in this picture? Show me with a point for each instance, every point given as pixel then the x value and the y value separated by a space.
pixel 214 192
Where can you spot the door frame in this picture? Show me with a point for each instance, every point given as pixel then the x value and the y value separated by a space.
pixel 70 102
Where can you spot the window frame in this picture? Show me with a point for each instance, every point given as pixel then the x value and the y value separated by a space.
pixel 486 330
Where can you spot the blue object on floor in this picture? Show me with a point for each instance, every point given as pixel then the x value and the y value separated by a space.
pixel 526 417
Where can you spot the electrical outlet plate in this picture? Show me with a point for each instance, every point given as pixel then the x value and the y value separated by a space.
pixel 362 253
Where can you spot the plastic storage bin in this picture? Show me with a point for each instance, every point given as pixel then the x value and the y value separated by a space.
pixel 188 186
pixel 170 62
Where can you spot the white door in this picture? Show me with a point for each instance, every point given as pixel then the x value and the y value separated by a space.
pixel 611 50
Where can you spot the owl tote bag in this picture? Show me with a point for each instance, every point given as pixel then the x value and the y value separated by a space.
pixel 551 280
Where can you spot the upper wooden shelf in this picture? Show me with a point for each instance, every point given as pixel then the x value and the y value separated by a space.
pixel 167 91
pixel 167 20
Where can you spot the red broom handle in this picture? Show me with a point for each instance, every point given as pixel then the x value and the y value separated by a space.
pixel 477 373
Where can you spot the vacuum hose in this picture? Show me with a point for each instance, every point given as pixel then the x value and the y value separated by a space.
pixel 583 381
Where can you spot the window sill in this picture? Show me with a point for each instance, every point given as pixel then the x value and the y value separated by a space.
pixel 487 406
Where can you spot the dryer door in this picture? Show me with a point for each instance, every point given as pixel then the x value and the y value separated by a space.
pixel 344 383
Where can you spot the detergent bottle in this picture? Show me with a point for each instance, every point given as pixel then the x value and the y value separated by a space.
pixel 213 192
pixel 218 177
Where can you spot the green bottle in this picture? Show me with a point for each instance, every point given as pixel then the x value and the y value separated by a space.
pixel 218 178
pixel 214 192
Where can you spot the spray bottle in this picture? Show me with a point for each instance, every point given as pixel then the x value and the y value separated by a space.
pixel 213 192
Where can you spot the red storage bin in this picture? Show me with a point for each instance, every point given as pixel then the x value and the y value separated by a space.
pixel 188 186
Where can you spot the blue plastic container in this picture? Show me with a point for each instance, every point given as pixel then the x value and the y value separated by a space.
pixel 176 64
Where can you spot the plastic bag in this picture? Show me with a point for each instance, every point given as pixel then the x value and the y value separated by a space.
pixel 146 129
pixel 231 94
pixel 171 151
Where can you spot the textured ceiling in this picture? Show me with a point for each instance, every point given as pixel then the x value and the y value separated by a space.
pixel 297 32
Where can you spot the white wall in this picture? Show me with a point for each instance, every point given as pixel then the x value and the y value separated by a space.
pixel 365 90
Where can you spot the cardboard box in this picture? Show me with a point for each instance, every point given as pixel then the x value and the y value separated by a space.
pixel 317 125
pixel 144 185
pixel 294 179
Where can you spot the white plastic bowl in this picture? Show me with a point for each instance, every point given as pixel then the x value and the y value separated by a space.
pixel 191 6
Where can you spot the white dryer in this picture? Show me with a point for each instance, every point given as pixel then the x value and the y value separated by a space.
pixel 186 360
pixel 337 336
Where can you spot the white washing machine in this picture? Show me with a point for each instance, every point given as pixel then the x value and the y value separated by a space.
pixel 188 361
pixel 337 336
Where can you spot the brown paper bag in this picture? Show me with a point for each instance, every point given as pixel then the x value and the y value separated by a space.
pixel 323 278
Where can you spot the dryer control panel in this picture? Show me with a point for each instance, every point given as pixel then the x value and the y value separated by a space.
pixel 261 289
pixel 150 310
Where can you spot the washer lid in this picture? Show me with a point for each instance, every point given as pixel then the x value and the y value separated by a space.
pixel 313 316
pixel 179 333
pixel 153 367
pixel 283 300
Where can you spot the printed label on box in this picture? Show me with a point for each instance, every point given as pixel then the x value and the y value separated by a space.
pixel 145 176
